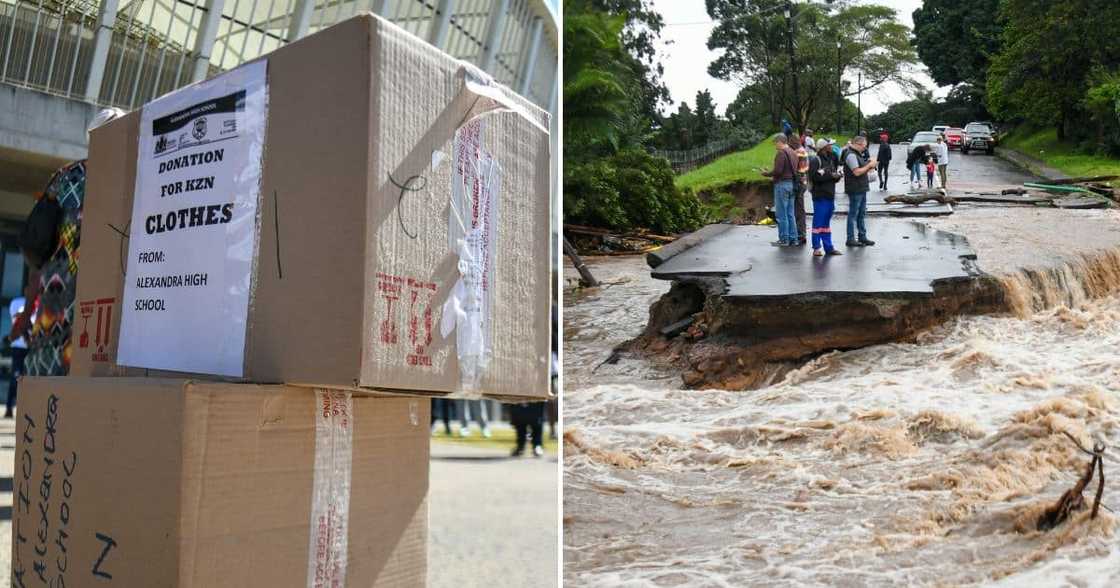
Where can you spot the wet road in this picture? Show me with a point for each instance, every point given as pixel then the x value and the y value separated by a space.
pixel 975 170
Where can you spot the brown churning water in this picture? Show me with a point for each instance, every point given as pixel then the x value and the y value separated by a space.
pixel 921 463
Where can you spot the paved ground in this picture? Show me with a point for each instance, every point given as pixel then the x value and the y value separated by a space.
pixel 493 520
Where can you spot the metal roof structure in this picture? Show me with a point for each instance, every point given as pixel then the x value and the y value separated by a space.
pixel 124 53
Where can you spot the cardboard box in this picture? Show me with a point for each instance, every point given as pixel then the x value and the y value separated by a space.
pixel 352 272
pixel 153 482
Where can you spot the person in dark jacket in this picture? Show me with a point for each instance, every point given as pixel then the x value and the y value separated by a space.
pixel 823 175
pixel 884 157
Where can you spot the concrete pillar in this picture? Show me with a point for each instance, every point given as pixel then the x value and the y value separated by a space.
pixel 529 67
pixel 441 22
pixel 493 36
pixel 301 19
pixel 106 20
pixel 204 43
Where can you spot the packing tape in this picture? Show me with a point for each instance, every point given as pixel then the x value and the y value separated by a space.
pixel 473 222
pixel 472 235
pixel 482 85
pixel 330 496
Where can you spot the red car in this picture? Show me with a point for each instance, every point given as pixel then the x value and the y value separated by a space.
pixel 954 137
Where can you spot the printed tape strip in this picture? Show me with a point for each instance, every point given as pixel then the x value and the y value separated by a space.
pixel 330 497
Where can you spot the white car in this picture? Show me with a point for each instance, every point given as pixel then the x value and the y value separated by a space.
pixel 940 129
pixel 923 138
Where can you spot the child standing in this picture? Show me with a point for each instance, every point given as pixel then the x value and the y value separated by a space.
pixel 931 168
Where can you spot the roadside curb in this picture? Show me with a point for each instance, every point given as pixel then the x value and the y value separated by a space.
pixel 1030 164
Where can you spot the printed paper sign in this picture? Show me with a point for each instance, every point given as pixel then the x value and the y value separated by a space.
pixel 193 235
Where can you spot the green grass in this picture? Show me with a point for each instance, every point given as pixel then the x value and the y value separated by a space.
pixel 1044 145
pixel 502 439
pixel 738 167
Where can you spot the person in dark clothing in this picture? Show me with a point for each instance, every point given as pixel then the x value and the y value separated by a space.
pixel 528 417
pixel 915 162
pixel 824 173
pixel 884 157
pixel 441 410
pixel 800 184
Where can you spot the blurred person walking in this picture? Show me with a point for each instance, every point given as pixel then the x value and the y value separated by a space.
pixel 527 419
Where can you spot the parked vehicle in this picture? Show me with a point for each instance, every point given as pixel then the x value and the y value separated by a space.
pixel 978 137
pixel 923 138
pixel 954 137
pixel 993 128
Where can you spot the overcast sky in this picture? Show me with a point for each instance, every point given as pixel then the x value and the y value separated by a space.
pixel 686 56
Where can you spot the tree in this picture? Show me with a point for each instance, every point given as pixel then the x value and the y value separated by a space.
pixel 609 178
pixel 956 40
pixel 707 122
pixel 1049 51
pixel 753 36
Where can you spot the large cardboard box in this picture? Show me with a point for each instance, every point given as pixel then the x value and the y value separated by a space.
pixel 173 483
pixel 352 272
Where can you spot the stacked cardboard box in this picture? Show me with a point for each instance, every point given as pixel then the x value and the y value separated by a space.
pixel 161 482
pixel 353 271
pixel 395 244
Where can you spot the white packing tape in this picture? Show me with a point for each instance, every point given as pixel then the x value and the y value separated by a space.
pixel 330 496
pixel 472 233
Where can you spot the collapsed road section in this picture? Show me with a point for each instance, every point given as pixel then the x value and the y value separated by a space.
pixel 741 311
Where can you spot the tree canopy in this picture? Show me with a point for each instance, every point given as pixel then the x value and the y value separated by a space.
pixel 754 39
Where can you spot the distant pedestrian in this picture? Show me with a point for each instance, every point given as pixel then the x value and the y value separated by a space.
pixel 800 185
pixel 943 161
pixel 441 410
pixel 476 410
pixel 884 157
pixel 931 168
pixel 18 337
pixel 787 129
pixel 824 173
pixel 914 162
pixel 808 141
pixel 857 163
pixel 783 172
pixel 528 423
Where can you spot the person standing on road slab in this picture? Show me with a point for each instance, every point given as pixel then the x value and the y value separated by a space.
pixel 884 157
pixel 857 163
pixel 824 172
pixel 785 167
pixel 942 151
pixel 800 184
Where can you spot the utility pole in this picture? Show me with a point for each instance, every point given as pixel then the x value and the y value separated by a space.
pixel 859 102
pixel 791 32
pixel 839 85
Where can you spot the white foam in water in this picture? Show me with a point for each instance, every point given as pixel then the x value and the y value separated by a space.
pixel 898 464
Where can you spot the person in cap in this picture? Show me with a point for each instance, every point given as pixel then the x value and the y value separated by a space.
pixel 857 163
pixel 824 173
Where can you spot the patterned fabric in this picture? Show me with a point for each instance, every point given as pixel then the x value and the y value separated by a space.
pixel 49 352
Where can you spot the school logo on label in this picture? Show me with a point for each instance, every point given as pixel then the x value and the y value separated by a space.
pixel 199 128
pixel 161 144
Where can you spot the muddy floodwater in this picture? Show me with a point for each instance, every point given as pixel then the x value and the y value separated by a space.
pixel 923 463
